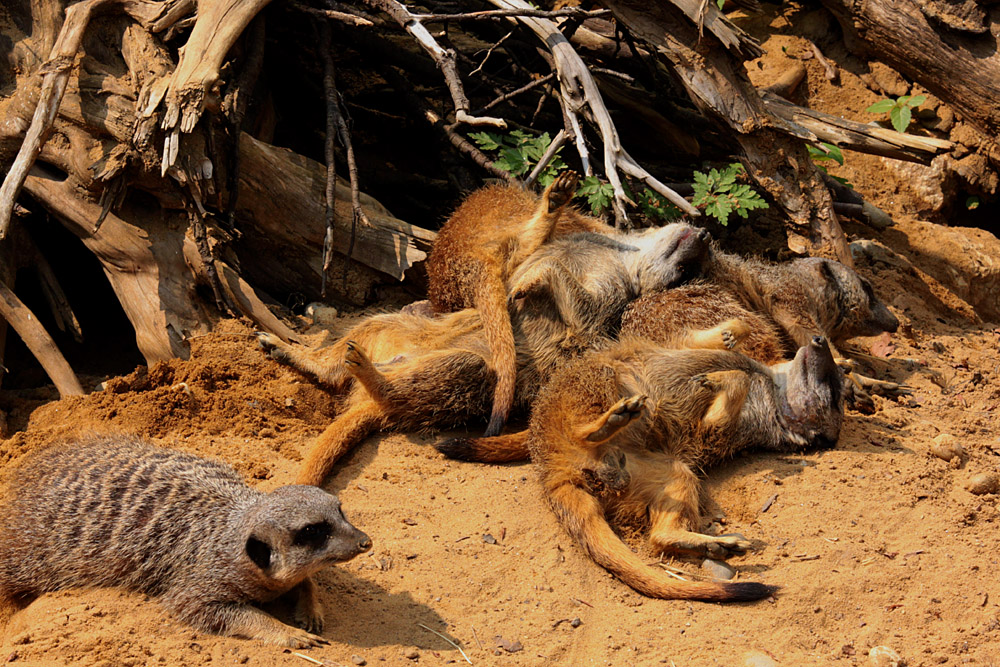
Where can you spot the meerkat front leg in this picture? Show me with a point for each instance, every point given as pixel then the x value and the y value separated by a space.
pixel 730 389
pixel 616 418
pixel 308 608
pixel 673 514
pixel 726 336
pixel 364 371
pixel 243 620
pixel 540 227
pixel 304 360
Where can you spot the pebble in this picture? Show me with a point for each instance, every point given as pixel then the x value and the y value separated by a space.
pixel 947 447
pixel 718 569
pixel 984 482
pixel 412 655
pixel 576 622
pixel 358 660
pixel 883 656
pixel 758 659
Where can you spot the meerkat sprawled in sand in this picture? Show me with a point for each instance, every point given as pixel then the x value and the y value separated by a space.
pixel 783 305
pixel 661 414
pixel 478 249
pixel 117 511
pixel 418 372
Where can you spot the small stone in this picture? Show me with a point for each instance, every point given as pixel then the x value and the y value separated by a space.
pixel 718 569
pixel 243 659
pixel 947 447
pixel 12 657
pixel 358 660
pixel 576 622
pixel 489 539
pixel 289 402
pixel 985 482
pixel 21 639
pixel 412 655
pixel 883 656
pixel 321 313
pixel 758 659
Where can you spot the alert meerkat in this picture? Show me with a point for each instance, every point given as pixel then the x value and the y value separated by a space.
pixel 662 414
pixel 415 372
pixel 478 249
pixel 783 305
pixel 118 511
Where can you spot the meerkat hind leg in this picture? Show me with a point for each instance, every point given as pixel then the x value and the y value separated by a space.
pixel 673 514
pixel 364 371
pixel 617 417
pixel 725 336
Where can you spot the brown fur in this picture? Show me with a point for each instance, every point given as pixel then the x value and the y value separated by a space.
pixel 117 511
pixel 416 372
pixel 668 413
pixel 484 241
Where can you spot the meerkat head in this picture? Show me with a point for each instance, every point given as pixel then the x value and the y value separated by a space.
pixel 848 301
pixel 812 386
pixel 295 531
pixel 670 255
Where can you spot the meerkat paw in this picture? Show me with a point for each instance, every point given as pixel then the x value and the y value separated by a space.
pixel 298 638
pixel 355 356
pixel 310 617
pixel 563 189
pixel 621 414
pixel 273 346
pixel 715 547
pixel 734 332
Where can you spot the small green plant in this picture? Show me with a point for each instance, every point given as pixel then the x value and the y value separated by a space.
pixel 519 152
pixel 656 207
pixel 900 109
pixel 833 154
pixel 719 195
pixel 972 203
pixel 598 193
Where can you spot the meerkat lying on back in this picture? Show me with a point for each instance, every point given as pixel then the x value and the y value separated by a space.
pixel 662 414
pixel 783 305
pixel 478 249
pixel 418 372
pixel 117 511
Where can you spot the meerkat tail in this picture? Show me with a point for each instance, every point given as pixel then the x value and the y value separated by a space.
pixel 506 448
pixel 583 517
pixel 347 430
pixel 491 302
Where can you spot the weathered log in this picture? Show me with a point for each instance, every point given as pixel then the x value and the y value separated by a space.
pixel 37 339
pixel 960 65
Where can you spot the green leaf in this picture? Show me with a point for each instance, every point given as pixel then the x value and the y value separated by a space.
pixel 896 117
pixel 832 153
pixel 720 3
pixel 972 202
pixel 588 186
pixel 485 140
pixel 916 101
pixel 881 106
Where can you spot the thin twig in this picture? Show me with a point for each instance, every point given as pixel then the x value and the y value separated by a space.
pixel 308 659
pixel 476 635
pixel 445 59
pixel 494 14
pixel 523 89
pixel 343 17
pixel 240 95
pixel 489 52
pixel 447 640
pixel 330 92
pixel 557 142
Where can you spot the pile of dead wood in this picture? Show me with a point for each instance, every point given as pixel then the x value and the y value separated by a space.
pixel 153 131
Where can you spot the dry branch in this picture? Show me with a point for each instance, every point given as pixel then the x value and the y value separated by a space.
pixel 857 136
pixel 37 339
pixel 445 59
pixel 579 89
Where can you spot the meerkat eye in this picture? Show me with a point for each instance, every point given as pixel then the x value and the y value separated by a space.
pixel 314 535
pixel 259 552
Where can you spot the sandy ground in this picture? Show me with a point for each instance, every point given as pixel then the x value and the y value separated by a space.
pixel 874 543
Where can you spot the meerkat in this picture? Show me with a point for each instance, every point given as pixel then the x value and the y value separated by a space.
pixel 783 305
pixel 478 249
pixel 664 414
pixel 118 511
pixel 413 372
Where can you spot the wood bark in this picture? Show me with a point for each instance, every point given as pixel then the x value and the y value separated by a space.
pixel 958 64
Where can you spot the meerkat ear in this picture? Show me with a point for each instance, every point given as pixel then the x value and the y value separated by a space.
pixel 259 552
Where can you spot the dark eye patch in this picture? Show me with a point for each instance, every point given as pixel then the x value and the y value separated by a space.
pixel 259 552
pixel 314 535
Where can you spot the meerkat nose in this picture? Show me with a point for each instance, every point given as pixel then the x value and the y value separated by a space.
pixel 818 341
pixel 365 544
